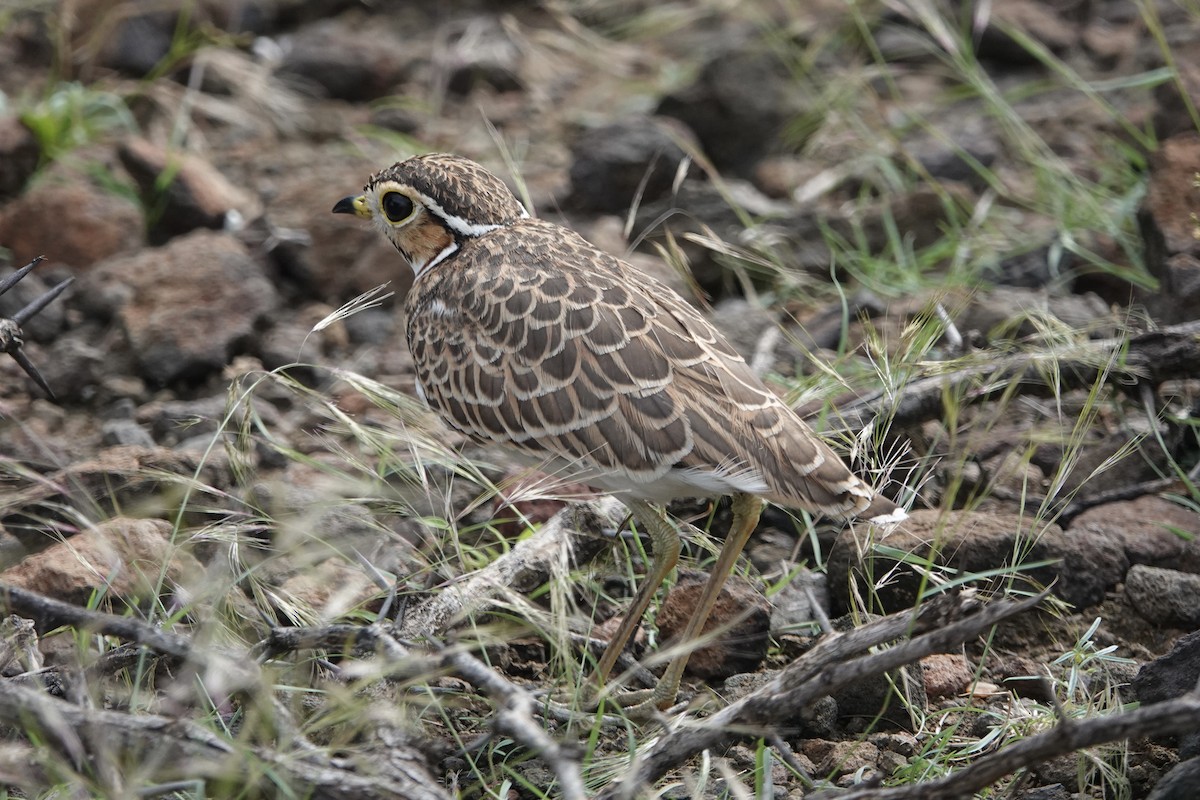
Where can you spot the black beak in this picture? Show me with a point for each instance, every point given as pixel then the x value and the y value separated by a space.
pixel 344 206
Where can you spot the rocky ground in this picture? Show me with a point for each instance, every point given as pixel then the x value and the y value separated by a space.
pixel 976 221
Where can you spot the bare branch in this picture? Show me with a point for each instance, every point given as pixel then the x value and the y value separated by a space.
pixel 835 662
pixel 575 529
pixel 1175 716
pixel 1155 356
pixel 171 749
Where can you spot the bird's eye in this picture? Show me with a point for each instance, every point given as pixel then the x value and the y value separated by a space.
pixel 396 207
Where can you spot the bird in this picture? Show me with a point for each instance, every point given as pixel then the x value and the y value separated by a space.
pixel 526 336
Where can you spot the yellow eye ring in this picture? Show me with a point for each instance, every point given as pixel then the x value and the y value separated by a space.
pixel 396 207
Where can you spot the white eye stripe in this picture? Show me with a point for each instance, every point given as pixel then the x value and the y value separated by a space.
pixel 456 224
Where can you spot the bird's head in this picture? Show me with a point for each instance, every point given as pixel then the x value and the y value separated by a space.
pixel 429 205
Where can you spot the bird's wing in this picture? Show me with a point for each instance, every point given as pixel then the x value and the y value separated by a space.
pixel 563 351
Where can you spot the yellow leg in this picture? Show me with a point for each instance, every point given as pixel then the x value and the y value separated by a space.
pixel 746 511
pixel 665 543
pixel 665 538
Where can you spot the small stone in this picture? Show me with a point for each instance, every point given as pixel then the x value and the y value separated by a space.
pixel 946 675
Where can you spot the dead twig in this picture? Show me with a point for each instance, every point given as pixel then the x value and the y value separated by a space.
pixel 836 661
pixel 515 714
pixel 1178 715
pixel 571 533
pixel 168 748
pixel 12 339
pixel 1154 357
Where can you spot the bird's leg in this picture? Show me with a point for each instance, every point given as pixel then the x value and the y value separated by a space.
pixel 746 510
pixel 665 552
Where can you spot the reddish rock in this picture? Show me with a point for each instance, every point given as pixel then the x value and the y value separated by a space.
pixel 739 623
pixel 122 559
pixel 946 675
pixel 1083 567
pixel 842 758
pixel 1172 196
pixel 186 308
pixel 1151 530
pixel 78 224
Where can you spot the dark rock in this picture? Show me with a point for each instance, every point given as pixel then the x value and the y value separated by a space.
pixel 1173 115
pixel 1181 783
pixel 965 143
pixel 1172 675
pixel 170 421
pixel 1164 596
pixel 48 322
pixel 186 191
pixel 185 308
pixel 1035 268
pixel 1084 567
pixel 612 163
pixel 396 118
pixel 739 622
pixel 1012 312
pixel 347 63
pixel 19 153
pixel 1024 677
pixel 1151 530
pixel 876 695
pixel 791 606
pixel 708 213
pixel 478 52
pixel 738 106
pixel 1054 791
pixel 371 326
pixel 81 359
pixel 1033 19
pixel 76 224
